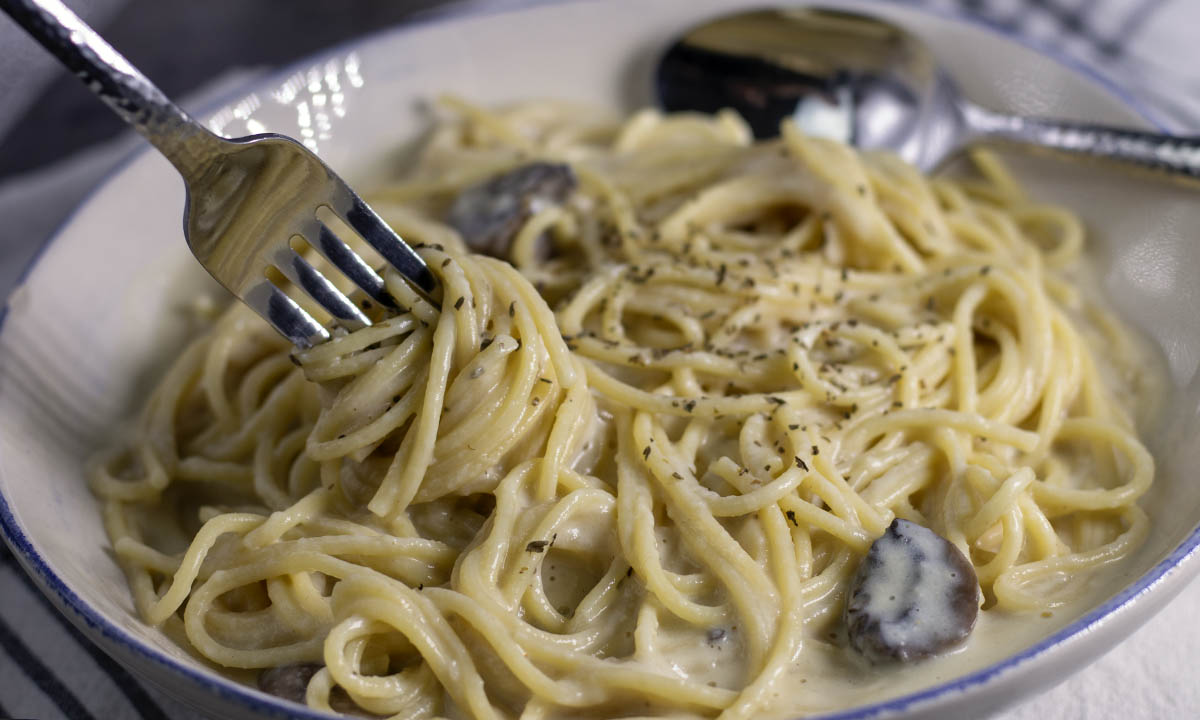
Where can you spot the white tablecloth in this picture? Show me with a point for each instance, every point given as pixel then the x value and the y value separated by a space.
pixel 1151 48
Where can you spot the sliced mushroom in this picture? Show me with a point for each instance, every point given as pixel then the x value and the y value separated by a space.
pixel 289 682
pixel 489 214
pixel 914 595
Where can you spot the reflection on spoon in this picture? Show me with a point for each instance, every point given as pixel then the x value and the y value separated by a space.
pixel 871 84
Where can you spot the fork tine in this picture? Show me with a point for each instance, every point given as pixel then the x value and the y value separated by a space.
pixel 351 265
pixel 319 288
pixel 391 246
pixel 282 312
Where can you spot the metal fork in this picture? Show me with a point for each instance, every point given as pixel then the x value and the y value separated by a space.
pixel 246 198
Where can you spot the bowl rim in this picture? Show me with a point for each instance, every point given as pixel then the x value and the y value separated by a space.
pixel 1168 574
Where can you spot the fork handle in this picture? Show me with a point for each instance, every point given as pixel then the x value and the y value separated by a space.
pixel 130 94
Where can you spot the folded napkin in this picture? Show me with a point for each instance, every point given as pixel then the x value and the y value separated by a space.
pixel 1146 47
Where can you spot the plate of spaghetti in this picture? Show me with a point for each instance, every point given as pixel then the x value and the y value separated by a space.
pixel 699 426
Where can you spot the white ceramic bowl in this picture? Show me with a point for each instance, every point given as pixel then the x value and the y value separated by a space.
pixel 92 323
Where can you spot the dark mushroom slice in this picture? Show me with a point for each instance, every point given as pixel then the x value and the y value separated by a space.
pixel 489 214
pixel 914 595
pixel 289 682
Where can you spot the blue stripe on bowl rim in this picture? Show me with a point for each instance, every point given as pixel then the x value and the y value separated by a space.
pixel 1170 574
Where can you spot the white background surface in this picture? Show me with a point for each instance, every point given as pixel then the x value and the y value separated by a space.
pixel 1155 673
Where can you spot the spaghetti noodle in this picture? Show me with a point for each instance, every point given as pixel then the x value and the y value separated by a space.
pixel 632 469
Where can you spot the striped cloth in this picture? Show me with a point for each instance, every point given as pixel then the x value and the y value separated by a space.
pixel 67 676
pixel 48 670
pixel 1148 47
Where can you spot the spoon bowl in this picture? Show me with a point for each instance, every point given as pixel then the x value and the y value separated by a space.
pixel 866 82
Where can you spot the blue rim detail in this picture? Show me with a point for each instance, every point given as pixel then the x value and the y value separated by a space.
pixel 77 611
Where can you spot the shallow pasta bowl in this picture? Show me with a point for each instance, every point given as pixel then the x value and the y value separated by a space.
pixel 76 356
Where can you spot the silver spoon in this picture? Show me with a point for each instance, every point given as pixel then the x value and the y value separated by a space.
pixel 871 84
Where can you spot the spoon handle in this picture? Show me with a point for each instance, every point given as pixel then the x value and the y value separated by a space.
pixel 1173 154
